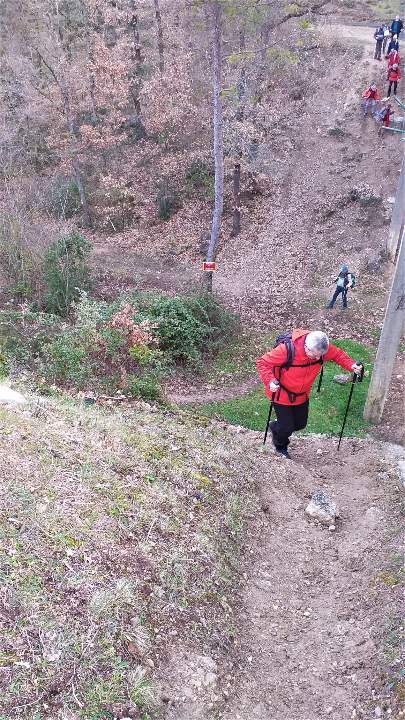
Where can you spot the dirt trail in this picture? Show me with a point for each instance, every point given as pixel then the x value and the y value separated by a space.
pixel 357 34
pixel 318 602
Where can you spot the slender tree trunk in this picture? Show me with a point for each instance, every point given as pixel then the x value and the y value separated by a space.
pixel 73 153
pixel 159 36
pixel 138 60
pixel 240 111
pixel 236 198
pixel 92 81
pixel 137 57
pixel 216 30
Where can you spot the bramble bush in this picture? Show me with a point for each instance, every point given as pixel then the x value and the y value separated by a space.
pixel 127 345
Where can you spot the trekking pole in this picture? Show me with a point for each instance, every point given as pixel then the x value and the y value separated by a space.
pixel 268 420
pixel 355 378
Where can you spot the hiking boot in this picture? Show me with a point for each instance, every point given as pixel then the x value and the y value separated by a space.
pixel 283 452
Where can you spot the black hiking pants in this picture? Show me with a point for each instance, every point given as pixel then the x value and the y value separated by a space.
pixel 289 419
pixel 391 83
pixel 336 295
pixel 378 48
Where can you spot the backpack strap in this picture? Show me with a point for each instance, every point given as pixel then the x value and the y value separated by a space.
pixel 317 362
pixel 291 395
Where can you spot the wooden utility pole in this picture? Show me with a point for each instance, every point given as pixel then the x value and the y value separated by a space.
pixel 398 217
pixel 392 329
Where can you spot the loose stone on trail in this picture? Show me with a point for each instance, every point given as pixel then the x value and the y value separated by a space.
pixel 322 508
pixel 341 379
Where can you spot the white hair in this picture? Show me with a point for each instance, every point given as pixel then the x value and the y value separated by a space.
pixel 317 341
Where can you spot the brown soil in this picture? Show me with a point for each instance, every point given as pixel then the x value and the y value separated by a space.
pixel 318 602
pixel 318 626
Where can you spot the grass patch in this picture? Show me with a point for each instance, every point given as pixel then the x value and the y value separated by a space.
pixel 118 532
pixel 237 359
pixel 326 409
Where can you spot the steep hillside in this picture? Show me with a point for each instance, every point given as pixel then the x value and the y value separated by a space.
pixel 156 565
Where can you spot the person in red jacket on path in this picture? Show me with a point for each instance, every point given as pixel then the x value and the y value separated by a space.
pixel 370 97
pixel 289 387
pixel 393 75
pixel 393 58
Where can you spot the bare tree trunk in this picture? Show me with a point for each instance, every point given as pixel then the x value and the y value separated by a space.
pixel 137 57
pixel 236 197
pixel 240 111
pixel 216 29
pixel 92 81
pixel 73 152
pixel 159 36
pixel 135 86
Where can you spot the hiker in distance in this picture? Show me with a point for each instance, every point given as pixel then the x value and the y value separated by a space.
pixel 396 26
pixel 371 97
pixel 344 281
pixel 379 38
pixel 288 373
pixel 393 45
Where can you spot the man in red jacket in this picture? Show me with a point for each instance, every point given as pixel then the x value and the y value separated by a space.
pixel 289 387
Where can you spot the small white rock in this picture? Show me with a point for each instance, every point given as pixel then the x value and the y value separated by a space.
pixel 10 397
pixel 332 528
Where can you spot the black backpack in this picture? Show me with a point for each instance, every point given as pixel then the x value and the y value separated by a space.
pixel 286 339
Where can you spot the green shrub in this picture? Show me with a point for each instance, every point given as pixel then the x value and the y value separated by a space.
pixel 223 324
pixel 67 361
pixel 125 345
pixel 179 331
pixel 199 176
pixel 66 272
pixel 146 388
pixel 168 201
pixel 188 326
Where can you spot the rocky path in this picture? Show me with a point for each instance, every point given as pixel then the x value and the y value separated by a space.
pixel 320 604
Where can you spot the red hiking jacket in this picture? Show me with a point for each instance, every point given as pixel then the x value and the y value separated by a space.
pixel 371 94
pixel 297 380
pixel 393 59
pixel 393 75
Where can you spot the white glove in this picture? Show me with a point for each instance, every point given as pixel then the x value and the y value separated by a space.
pixel 356 368
pixel 274 385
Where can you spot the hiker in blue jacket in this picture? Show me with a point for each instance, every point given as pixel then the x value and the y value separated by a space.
pixel 344 281
pixel 379 38
pixel 393 45
pixel 396 26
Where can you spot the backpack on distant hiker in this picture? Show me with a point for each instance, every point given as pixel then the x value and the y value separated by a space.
pixel 346 280
pixel 286 339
